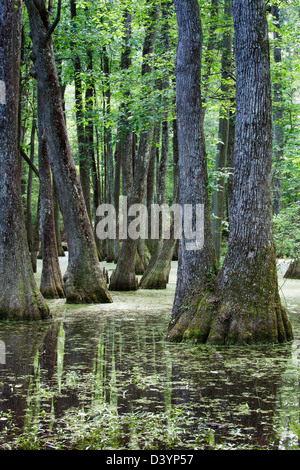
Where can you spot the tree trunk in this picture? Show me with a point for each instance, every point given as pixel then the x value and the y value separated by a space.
pixel 158 276
pixel 123 278
pixel 293 271
pixel 230 159
pixel 153 246
pixel 29 228
pixel 23 123
pixel 52 286
pixel 151 193
pixel 90 99
pixel 218 197
pixel 162 165
pixel 84 163
pixel 117 187
pixel 210 52
pixel 195 266
pixel 278 113
pixel 108 148
pixel 126 135
pixel 20 297
pixel 36 237
pixel 124 148
pixel 245 306
pixel 56 210
pixel 175 176
pixel 84 281
pixel 123 154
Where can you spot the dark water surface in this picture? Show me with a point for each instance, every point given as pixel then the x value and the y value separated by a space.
pixel 103 377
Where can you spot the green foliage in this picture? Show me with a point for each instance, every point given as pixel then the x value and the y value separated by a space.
pixel 286 73
pixel 99 29
pixel 101 427
pixel 287 231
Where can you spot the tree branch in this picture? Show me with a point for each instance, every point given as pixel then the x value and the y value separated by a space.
pixel 32 165
pixel 55 23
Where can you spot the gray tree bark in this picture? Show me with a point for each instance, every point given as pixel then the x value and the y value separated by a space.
pixel 151 180
pixel 36 237
pixel 210 52
pixel 293 271
pixel 158 276
pixel 84 281
pixel 244 306
pixel 84 162
pixel 56 210
pixel 110 245
pixel 20 298
pixel 29 227
pixel 195 267
pixel 90 102
pixel 52 285
pixel 162 164
pixel 278 113
pixel 230 158
pixel 218 197
pixel 123 278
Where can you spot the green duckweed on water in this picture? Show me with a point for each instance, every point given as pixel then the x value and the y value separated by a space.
pixel 104 377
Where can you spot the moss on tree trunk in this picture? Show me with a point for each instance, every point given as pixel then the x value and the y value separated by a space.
pixel 242 305
pixel 20 298
pixel 243 308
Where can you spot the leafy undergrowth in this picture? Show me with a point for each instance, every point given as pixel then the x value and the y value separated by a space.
pixel 99 428
pixel 103 428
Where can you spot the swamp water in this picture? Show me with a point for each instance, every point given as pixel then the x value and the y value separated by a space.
pixel 103 377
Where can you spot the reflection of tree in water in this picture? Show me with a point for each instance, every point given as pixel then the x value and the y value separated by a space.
pixel 85 360
pixel 22 345
pixel 130 361
pixel 232 391
pixel 39 360
pixel 287 414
